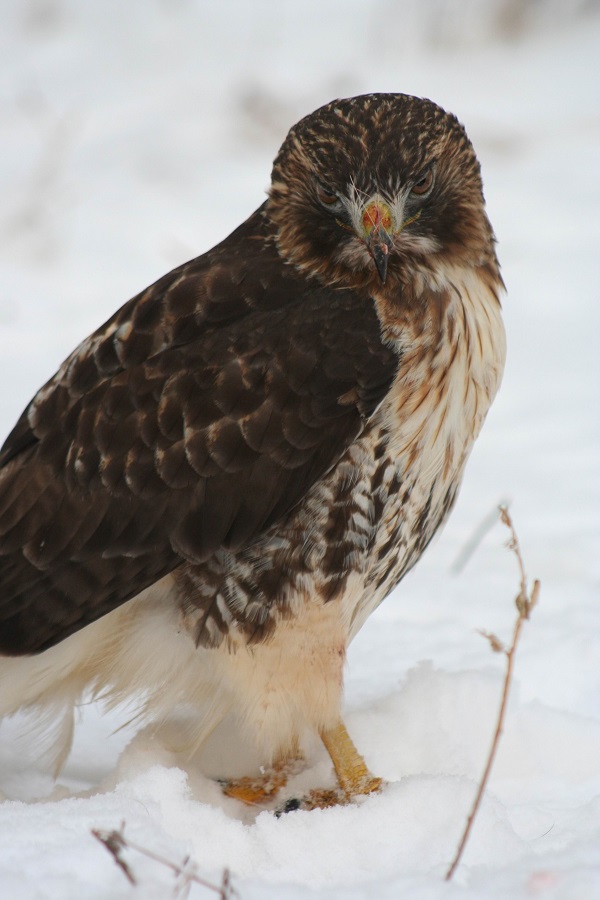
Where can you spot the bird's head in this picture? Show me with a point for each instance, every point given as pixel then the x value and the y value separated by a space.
pixel 365 190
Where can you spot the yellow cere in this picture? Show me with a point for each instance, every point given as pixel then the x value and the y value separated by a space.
pixel 377 215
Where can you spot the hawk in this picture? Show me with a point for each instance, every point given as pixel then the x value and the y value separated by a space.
pixel 217 488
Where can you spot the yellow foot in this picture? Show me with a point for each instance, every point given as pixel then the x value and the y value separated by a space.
pixel 354 778
pixel 263 787
pixel 324 799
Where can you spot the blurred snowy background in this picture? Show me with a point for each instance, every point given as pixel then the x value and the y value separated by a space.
pixel 136 135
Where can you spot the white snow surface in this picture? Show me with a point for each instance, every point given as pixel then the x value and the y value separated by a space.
pixel 136 135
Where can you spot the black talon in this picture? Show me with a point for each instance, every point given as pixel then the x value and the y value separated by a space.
pixel 289 806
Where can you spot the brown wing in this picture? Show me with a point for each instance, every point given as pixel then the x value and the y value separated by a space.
pixel 195 418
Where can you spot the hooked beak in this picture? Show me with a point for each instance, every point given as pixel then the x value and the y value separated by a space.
pixel 379 248
pixel 377 225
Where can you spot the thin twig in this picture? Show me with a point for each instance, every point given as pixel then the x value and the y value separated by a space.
pixel 525 603
pixel 476 538
pixel 115 842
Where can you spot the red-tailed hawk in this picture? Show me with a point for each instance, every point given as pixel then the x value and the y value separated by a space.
pixel 204 504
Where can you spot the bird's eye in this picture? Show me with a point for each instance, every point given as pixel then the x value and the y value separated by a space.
pixel 423 184
pixel 327 197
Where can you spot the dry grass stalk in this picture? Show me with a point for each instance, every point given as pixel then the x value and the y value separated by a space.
pixel 116 842
pixel 525 602
pixel 476 538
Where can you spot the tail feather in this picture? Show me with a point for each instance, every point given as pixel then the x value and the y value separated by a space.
pixel 137 654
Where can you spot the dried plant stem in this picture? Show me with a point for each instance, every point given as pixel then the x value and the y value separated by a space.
pixel 525 603
pixel 476 538
pixel 115 842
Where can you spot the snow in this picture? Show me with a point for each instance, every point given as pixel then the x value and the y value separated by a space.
pixel 137 135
